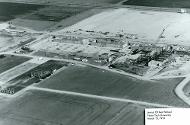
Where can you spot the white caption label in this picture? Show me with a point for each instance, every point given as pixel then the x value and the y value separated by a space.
pixel 167 116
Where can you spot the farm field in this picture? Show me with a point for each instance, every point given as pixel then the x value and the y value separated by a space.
pixel 9 61
pixel 55 13
pixel 33 24
pixel 160 3
pixel 66 2
pixel 10 11
pixel 15 72
pixel 77 18
pixel 40 107
pixel 48 17
pixel 26 79
pixel 38 17
pixel 94 81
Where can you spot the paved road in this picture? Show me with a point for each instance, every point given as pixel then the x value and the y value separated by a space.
pixel 179 90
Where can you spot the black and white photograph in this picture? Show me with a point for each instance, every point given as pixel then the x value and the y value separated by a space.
pixel 94 62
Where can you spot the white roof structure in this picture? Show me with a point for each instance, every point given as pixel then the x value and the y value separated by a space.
pixel 134 57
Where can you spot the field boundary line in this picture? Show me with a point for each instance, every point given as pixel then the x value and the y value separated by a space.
pixel 98 97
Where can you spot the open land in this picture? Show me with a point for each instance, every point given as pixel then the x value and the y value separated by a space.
pixel 10 61
pixel 16 71
pixel 67 2
pixel 6 41
pixel 160 3
pixel 13 36
pixel 38 17
pixel 20 69
pixel 150 25
pixel 38 107
pixel 48 17
pixel 15 10
pixel 34 75
pixel 83 80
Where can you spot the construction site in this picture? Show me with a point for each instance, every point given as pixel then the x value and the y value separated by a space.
pixel 13 37
pixel 118 51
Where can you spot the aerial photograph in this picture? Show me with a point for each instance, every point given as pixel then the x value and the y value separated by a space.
pixel 92 62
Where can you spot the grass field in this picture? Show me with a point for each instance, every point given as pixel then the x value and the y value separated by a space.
pixel 43 17
pixel 55 13
pixel 159 3
pixel 12 73
pixel 40 17
pixel 95 81
pixel 43 108
pixel 37 17
pixel 10 11
pixel 9 61
pixel 48 17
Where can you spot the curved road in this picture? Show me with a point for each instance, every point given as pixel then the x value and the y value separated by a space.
pixel 179 90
